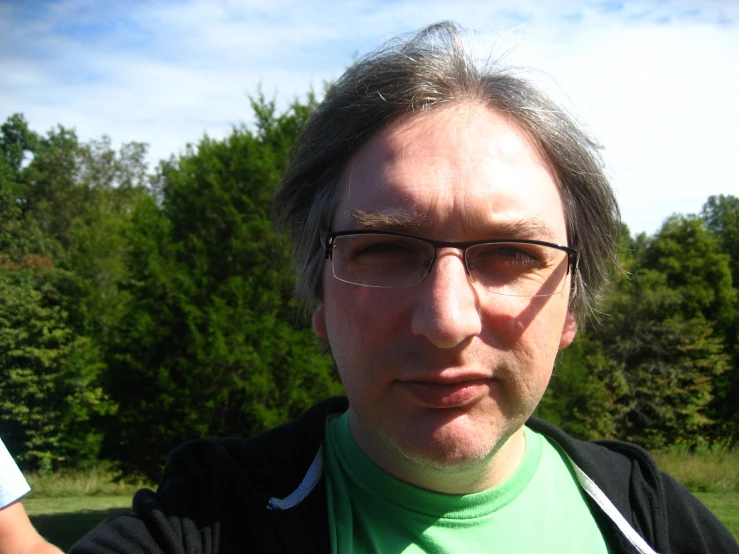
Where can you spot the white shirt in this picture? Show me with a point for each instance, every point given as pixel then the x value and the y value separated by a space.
pixel 12 483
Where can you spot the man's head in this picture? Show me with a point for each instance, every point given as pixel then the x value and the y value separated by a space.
pixel 444 349
pixel 414 77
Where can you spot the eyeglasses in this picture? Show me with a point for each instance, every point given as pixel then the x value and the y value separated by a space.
pixel 511 267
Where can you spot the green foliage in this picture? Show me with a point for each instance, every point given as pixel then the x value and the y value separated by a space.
pixel 50 196
pixel 18 235
pixel 695 268
pixel 209 345
pixel 653 366
pixel 66 205
pixel 97 236
pixel 49 390
pixel 721 216
pixel 662 335
pixel 16 142
pixel 698 265
pixel 580 396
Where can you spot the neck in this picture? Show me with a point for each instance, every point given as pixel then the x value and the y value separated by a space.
pixel 447 478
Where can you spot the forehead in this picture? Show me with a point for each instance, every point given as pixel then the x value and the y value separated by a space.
pixel 466 168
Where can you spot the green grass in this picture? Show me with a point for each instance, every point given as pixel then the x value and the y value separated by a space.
pixel 63 506
pixel 97 481
pixel 710 474
pixel 725 506
pixel 706 470
pixel 63 520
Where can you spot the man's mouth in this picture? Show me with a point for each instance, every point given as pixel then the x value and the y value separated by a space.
pixel 441 394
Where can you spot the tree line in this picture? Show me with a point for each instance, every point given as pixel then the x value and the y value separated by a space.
pixel 142 308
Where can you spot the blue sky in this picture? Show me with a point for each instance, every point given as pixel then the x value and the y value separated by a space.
pixel 656 82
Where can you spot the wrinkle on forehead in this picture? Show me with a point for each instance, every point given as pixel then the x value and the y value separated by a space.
pixel 412 185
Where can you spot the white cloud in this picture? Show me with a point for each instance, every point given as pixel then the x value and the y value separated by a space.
pixel 656 82
pixel 662 101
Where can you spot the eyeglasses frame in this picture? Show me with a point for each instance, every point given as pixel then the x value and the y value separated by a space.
pixel 573 254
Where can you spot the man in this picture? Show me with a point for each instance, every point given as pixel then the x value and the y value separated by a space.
pixel 17 535
pixel 451 226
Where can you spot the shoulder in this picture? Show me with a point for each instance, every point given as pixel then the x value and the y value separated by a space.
pixel 269 464
pixel 615 464
pixel 216 491
pixel 660 509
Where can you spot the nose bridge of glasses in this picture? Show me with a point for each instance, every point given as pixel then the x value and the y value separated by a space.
pixel 443 251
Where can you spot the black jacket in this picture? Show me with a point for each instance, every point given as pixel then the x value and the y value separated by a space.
pixel 267 494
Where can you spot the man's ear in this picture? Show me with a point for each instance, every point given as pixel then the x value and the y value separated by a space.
pixel 319 322
pixel 568 331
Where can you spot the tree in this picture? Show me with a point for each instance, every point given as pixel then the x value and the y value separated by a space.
pixel 210 345
pixel 665 334
pixel 65 207
pixel 17 142
pixel 581 397
pixel 50 394
pixel 667 362
pixel 691 259
pixel 97 235
pixel 721 216
pixel 18 236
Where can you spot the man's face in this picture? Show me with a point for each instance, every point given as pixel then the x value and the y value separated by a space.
pixel 439 375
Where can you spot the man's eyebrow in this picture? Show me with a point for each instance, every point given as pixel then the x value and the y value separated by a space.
pixel 391 220
pixel 409 221
pixel 520 229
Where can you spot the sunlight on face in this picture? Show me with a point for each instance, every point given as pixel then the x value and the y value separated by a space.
pixel 439 376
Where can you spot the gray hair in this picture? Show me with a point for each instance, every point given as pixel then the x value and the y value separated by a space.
pixel 409 77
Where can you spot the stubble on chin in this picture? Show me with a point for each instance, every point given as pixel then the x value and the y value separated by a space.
pixel 458 466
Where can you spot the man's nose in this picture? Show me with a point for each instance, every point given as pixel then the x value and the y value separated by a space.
pixel 447 311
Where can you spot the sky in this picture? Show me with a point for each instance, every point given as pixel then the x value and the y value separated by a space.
pixel 656 82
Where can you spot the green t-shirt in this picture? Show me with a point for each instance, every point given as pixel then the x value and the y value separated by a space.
pixel 540 508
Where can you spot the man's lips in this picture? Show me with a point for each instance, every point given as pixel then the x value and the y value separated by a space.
pixel 446 394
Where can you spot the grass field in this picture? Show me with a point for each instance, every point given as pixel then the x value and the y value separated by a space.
pixel 725 506
pixel 63 507
pixel 702 471
pixel 63 520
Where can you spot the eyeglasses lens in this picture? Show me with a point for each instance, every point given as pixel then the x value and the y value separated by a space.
pixel 509 268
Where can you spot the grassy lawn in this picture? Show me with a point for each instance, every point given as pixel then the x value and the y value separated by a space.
pixel 63 520
pixel 725 506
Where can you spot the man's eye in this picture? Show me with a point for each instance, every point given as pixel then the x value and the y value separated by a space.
pixel 508 254
pixel 384 248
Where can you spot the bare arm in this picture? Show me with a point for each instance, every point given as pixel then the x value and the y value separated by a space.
pixel 17 535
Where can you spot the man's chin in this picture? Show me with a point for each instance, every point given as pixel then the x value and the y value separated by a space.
pixel 454 446
pixel 444 453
